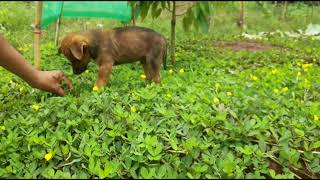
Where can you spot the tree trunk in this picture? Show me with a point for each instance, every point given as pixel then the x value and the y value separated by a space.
pixel 173 33
pixel 241 19
pixel 312 11
pixel 134 15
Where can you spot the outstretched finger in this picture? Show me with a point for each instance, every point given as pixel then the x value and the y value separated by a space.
pixel 69 82
pixel 63 77
pixel 59 91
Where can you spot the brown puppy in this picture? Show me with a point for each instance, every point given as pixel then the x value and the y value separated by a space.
pixel 113 47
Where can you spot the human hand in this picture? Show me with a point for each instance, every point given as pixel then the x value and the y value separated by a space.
pixel 50 81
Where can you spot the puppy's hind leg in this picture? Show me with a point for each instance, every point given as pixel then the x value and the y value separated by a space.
pixel 154 58
pixel 146 69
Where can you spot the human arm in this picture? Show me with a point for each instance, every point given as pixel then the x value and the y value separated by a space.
pixel 14 62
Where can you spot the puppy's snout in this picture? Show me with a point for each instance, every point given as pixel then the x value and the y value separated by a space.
pixel 78 71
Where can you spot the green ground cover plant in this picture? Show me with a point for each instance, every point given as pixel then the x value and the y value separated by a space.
pixel 217 114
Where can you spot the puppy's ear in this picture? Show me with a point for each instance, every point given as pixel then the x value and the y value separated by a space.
pixel 77 49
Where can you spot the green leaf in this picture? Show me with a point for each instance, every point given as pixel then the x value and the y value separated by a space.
pixel 144 172
pixel 97 167
pixel 87 150
pixel 272 173
pixel 158 149
pixel 128 163
pixel 173 144
pixel 299 132
pixel 190 176
pixel 51 172
pixel 154 9
pixel 316 144
pixel 221 116
pixel 65 149
pixel 91 165
pixel 163 4
pixel 246 150
pixel 162 171
pixel 144 9
pixel 228 164
pixel 152 172
pixel 190 143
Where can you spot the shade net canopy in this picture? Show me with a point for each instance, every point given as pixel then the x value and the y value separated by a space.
pixel 117 10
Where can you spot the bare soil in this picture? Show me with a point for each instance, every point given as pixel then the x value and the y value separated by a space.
pixel 247 45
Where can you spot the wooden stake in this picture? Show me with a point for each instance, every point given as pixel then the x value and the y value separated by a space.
pixel 37 35
pixel 58 24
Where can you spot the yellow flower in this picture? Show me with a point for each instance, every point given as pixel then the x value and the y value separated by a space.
pixel 315 118
pixel 285 89
pixel 253 77
pixel 36 107
pixel 143 76
pixel 229 93
pixel 216 100
pixel 171 71
pixel 274 71
pixel 95 88
pixel 22 89
pixel 168 95
pixel 48 156
pixel 299 74
pixel 276 91
pixel 181 71
pixel 306 66
pixel 133 109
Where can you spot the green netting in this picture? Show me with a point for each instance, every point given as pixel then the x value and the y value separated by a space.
pixel 118 10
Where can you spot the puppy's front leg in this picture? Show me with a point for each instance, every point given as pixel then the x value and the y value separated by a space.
pixel 104 74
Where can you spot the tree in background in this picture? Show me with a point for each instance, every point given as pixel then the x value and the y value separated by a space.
pixel 197 16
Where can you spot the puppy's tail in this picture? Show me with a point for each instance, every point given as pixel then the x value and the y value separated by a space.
pixel 165 55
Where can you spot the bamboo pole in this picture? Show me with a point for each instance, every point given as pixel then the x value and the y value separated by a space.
pixel 37 35
pixel 173 32
pixel 58 24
